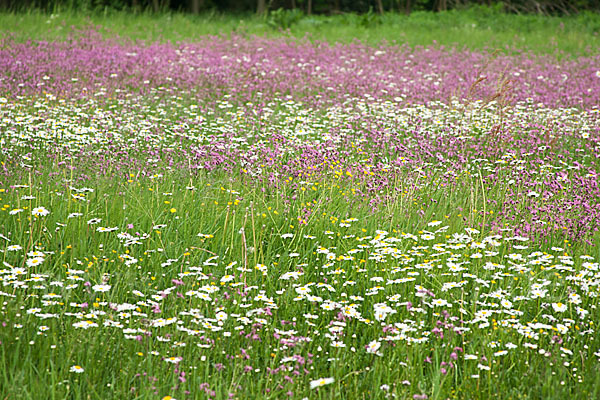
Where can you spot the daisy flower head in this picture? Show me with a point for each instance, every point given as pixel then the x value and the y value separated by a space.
pixel 77 369
pixel 506 303
pixel 104 229
pixel 574 298
pixel 373 347
pixel 440 302
pixel 101 288
pixel 40 212
pixel 85 324
pixel 32 262
pixel 320 382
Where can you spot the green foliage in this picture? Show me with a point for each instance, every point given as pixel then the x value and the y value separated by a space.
pixel 284 19
pixel 221 207
pixel 369 19
pixel 326 7
pixel 474 28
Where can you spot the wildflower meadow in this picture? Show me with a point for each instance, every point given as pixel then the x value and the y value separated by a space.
pixel 250 217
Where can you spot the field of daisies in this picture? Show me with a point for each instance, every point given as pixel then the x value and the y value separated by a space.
pixel 244 218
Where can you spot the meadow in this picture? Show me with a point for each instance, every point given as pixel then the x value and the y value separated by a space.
pixel 476 28
pixel 265 215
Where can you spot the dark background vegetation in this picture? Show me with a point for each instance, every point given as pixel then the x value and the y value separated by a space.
pixel 327 7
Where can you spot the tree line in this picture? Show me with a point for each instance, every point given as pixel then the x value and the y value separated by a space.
pixel 327 7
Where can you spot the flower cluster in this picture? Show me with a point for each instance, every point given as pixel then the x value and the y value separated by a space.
pixel 196 214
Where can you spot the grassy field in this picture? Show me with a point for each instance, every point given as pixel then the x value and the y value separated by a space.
pixel 478 28
pixel 257 217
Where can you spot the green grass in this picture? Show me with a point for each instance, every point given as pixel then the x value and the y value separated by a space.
pixel 246 220
pixel 477 28
pixel 173 206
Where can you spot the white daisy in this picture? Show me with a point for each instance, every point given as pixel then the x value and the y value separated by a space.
pixel 40 211
pixel 101 288
pixel 320 382
pixel 77 369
